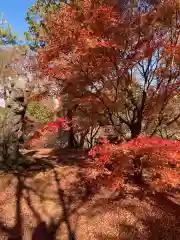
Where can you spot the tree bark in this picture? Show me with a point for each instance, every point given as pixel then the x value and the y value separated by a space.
pixel 138 174
pixel 135 129
pixel 71 130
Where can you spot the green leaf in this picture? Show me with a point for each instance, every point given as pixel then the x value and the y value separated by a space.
pixel 39 111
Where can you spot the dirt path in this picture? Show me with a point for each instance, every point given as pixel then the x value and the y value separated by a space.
pixel 50 206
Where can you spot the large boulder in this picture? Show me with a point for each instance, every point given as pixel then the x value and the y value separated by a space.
pixel 12 125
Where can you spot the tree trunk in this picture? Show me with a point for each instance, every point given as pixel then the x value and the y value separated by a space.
pixel 71 138
pixel 82 139
pixel 135 129
pixel 71 130
pixel 138 174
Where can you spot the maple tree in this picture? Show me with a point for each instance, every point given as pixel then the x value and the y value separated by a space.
pixel 119 70
pixel 128 65
pixel 159 158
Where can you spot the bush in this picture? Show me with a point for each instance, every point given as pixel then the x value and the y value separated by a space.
pixel 39 112
pixel 154 156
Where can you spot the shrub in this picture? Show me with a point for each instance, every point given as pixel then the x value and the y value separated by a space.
pixel 155 156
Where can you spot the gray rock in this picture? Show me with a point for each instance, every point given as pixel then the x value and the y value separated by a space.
pixel 12 126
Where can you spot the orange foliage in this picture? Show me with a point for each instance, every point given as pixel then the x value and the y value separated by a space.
pixel 42 135
pixel 95 53
pixel 158 155
pixel 97 47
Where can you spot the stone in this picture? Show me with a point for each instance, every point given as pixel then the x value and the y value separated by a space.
pixel 12 126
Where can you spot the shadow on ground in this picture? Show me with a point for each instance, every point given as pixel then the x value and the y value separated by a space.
pixel 55 202
pixel 42 230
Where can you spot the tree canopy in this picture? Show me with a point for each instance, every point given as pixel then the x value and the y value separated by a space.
pixel 127 67
pixel 35 17
pixel 6 35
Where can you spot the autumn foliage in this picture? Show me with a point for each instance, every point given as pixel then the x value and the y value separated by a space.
pixel 157 158
pixel 41 135
pixel 119 68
